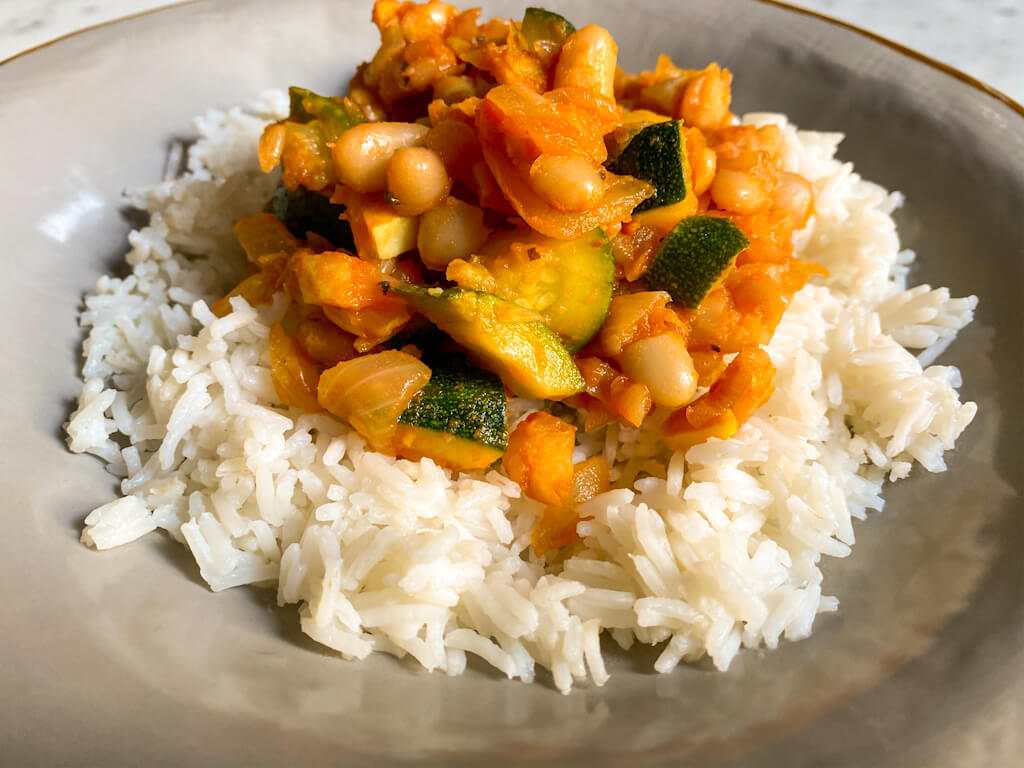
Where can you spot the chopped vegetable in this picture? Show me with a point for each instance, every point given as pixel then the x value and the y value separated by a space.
pixel 555 529
pixel 303 211
pixel 618 396
pixel 372 392
pixel 371 325
pixel 745 386
pixel 458 419
pixel 680 435
pixel 510 340
pixel 694 256
pixel 545 183
pixel 657 154
pixel 262 236
pixel 338 279
pixel 379 231
pixel 516 127
pixel 634 316
pixel 294 374
pixel 545 31
pixel 255 289
pixel 568 283
pixel 557 526
pixel 334 116
pixel 300 142
pixel 590 478
pixel 323 341
pixel 539 458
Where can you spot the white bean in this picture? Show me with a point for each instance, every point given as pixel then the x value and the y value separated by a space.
pixel 796 195
pixel 452 230
pixel 587 59
pixel 362 153
pixel 739 191
pixel 567 184
pixel 417 180
pixel 663 365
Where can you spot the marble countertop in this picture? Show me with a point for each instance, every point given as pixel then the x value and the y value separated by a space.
pixel 984 38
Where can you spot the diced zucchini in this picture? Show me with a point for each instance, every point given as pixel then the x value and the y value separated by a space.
pixel 419 333
pixel 567 282
pixel 662 219
pixel 458 419
pixel 456 453
pixel 693 257
pixel 299 143
pixel 303 211
pixel 334 115
pixel 657 154
pixel 633 121
pixel 545 28
pixel 510 340
pixel 379 232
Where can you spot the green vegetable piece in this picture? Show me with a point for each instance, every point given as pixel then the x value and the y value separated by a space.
pixel 510 340
pixel 420 334
pixel 657 154
pixel 460 400
pixel 693 257
pixel 546 28
pixel 573 290
pixel 303 211
pixel 335 115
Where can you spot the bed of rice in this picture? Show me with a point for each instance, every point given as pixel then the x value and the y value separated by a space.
pixel 706 553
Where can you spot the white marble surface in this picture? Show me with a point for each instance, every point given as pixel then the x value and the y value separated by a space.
pixel 984 38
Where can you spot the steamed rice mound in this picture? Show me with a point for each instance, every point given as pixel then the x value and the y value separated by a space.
pixel 704 553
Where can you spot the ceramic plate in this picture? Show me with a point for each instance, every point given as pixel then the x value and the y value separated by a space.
pixel 125 658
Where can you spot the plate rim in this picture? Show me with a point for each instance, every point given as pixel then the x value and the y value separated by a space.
pixel 904 50
pixel 199 8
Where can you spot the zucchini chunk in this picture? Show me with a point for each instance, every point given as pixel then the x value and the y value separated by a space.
pixel 335 116
pixel 510 340
pixel 379 232
pixel 568 283
pixel 458 419
pixel 657 154
pixel 546 29
pixel 303 211
pixel 300 143
pixel 693 257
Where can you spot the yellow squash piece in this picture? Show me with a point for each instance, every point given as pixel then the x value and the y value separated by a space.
pixel 378 231
pixel 448 450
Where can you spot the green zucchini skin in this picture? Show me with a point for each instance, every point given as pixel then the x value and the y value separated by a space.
pixel 508 339
pixel 657 154
pixel 303 211
pixel 544 26
pixel 335 116
pixel 694 256
pixel 575 292
pixel 461 400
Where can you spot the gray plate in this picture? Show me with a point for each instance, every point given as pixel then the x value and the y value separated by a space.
pixel 124 658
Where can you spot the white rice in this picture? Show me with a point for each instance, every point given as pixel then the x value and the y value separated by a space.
pixel 707 553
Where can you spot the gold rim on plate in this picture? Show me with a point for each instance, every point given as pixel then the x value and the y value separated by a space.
pixel 898 47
